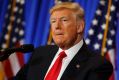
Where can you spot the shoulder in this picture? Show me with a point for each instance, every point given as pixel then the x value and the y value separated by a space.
pixel 98 63
pixel 91 56
pixel 101 66
pixel 96 58
pixel 44 49
pixel 43 52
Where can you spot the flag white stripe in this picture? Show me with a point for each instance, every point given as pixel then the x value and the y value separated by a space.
pixel 14 63
pixel 112 57
pixel 111 54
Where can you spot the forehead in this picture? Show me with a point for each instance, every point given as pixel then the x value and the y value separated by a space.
pixel 62 13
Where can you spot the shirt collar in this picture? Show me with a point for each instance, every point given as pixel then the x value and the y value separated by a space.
pixel 71 52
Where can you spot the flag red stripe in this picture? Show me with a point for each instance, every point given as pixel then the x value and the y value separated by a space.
pixel 20 57
pixel 8 69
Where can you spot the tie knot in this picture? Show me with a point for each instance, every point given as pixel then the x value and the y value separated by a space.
pixel 62 54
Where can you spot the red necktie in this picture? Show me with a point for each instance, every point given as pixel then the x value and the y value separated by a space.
pixel 55 69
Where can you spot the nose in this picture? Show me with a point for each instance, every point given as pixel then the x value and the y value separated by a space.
pixel 58 24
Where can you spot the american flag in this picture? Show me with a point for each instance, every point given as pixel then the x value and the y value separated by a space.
pixel 12 36
pixel 102 34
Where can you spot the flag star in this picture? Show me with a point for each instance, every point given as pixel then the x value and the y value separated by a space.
pixel 15 9
pixel 16 30
pixel 102 2
pixel 4 45
pixel 22 42
pixel 9 27
pixel 91 32
pixel 95 22
pixel 87 41
pixel 98 12
pixel 17 1
pixel 100 36
pixel 112 8
pixel 18 20
pixel 109 42
pixel 96 46
pixel 20 11
pixel 112 32
pixel 103 26
pixel 21 32
pixel 22 2
pixel 6 37
pixel 14 39
pixel 9 6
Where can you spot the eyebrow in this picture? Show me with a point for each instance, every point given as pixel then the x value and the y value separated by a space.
pixel 59 18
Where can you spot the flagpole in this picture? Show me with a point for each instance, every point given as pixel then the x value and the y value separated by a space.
pixel 11 22
pixel 106 29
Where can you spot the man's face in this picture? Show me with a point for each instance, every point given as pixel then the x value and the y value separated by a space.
pixel 65 28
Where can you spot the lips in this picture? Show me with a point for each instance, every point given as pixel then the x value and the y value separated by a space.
pixel 58 33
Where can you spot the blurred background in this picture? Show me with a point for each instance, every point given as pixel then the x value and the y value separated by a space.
pixel 27 22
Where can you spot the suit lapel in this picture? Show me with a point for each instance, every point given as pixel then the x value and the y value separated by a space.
pixel 43 63
pixel 76 65
pixel 48 60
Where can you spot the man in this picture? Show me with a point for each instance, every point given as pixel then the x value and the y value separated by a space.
pixel 77 61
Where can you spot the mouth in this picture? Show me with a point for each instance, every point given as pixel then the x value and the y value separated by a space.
pixel 58 33
pixel 59 36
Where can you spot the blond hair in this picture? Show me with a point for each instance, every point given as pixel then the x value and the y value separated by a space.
pixel 69 5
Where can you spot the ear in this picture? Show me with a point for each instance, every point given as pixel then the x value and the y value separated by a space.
pixel 80 26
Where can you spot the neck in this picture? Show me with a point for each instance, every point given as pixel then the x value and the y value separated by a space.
pixel 65 47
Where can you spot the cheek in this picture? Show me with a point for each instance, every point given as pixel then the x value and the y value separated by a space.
pixel 71 30
pixel 52 30
pixel 52 33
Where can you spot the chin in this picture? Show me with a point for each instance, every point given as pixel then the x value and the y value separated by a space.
pixel 59 43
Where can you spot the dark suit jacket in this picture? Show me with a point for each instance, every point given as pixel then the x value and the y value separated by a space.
pixel 86 65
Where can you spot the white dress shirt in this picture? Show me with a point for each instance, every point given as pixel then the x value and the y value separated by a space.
pixel 71 52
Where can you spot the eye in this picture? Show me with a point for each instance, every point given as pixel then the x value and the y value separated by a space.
pixel 64 20
pixel 52 21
